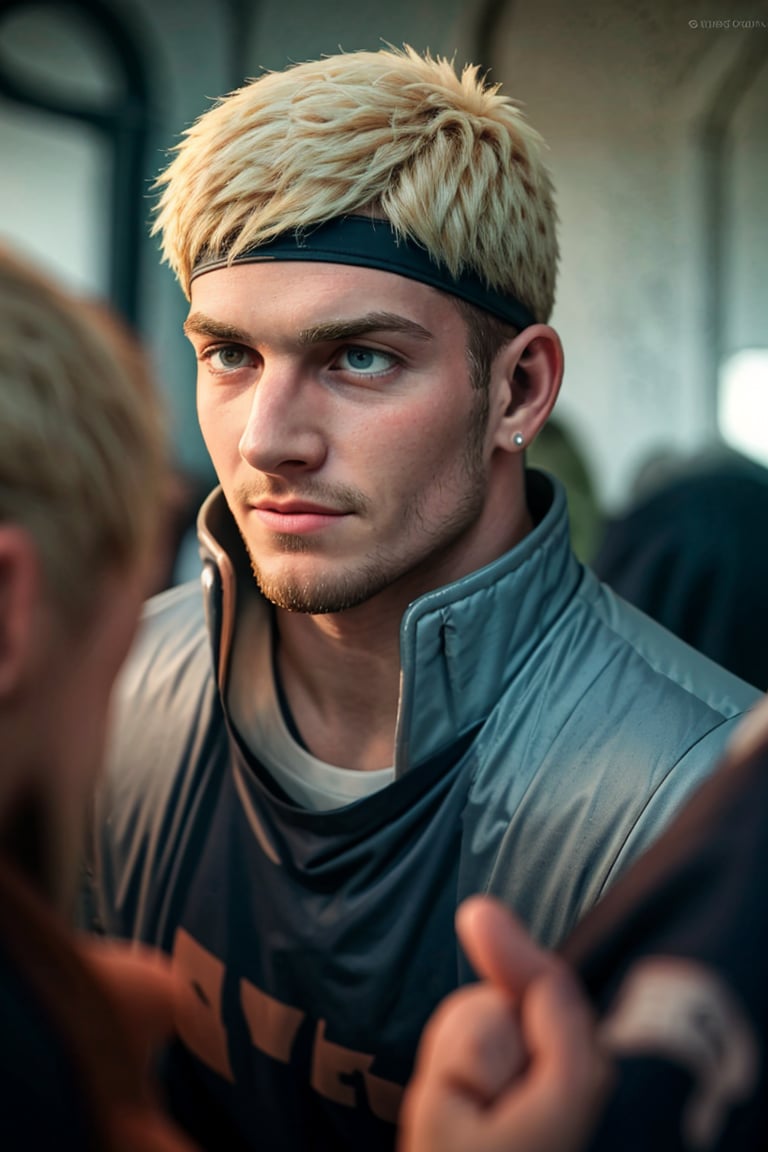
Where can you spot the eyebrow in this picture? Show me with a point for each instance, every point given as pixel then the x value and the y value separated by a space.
pixel 362 326
pixel 202 325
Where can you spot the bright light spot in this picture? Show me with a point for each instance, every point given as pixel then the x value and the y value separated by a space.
pixel 743 402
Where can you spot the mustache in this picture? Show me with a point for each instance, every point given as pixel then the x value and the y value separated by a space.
pixel 339 497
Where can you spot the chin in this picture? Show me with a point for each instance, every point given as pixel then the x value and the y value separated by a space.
pixel 320 595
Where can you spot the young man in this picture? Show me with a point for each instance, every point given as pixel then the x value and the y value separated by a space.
pixel 398 687
pixel 670 960
pixel 81 460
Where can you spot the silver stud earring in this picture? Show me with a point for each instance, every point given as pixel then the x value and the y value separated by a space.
pixel 518 439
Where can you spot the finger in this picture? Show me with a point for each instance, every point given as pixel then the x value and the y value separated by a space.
pixel 561 1028
pixel 473 1043
pixel 462 1095
pixel 469 1052
pixel 568 1074
pixel 497 945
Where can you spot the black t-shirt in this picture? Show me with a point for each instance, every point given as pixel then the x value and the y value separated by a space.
pixel 673 958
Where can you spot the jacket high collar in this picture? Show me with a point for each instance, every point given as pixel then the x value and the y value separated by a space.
pixel 460 645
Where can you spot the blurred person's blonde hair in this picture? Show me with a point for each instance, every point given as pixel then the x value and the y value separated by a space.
pixel 82 456
pixel 450 162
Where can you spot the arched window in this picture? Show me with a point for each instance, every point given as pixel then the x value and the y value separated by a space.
pixel 75 124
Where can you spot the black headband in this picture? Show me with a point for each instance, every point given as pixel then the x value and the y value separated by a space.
pixel 372 243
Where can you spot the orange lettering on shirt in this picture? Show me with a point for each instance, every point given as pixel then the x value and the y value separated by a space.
pixel 272 1024
pixel 333 1067
pixel 200 1024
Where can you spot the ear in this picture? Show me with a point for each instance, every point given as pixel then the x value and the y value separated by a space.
pixel 527 373
pixel 20 586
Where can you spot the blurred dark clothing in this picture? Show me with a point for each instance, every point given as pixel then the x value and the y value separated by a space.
pixel 693 554
pixel 41 1097
pixel 673 960
pixel 69 1073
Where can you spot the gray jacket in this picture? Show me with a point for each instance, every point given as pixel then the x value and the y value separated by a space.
pixel 547 732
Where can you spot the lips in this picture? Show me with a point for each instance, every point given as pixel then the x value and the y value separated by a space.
pixel 296 517
pixel 296 508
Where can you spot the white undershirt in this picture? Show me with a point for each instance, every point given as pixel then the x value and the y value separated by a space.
pixel 256 713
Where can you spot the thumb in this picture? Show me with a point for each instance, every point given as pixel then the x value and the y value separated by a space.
pixel 497 945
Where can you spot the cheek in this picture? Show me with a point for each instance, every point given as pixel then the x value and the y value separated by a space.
pixel 220 426
pixel 94 696
pixel 85 742
pixel 81 739
pixel 421 443
pixel 206 416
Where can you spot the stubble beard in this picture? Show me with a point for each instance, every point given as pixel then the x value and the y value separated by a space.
pixel 341 591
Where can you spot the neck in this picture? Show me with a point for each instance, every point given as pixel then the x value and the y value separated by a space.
pixel 341 676
pixel 341 672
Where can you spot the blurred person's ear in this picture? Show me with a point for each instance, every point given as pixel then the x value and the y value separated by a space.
pixel 20 582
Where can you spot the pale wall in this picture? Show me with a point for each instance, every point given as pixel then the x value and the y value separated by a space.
pixel 619 93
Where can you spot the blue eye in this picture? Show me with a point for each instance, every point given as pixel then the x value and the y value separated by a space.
pixel 366 361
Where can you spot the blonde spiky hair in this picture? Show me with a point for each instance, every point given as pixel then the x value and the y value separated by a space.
pixel 449 161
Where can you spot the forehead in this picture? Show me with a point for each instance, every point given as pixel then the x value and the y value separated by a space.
pixel 302 293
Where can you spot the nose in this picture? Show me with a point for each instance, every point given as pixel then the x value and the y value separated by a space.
pixel 283 431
